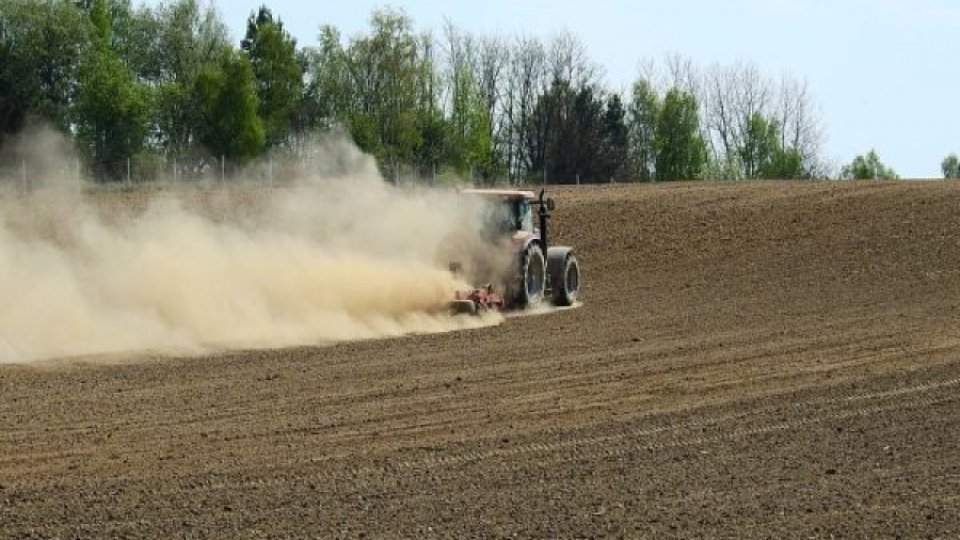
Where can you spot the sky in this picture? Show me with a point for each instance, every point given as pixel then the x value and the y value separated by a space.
pixel 882 72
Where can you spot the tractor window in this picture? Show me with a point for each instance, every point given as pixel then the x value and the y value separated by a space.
pixel 507 216
pixel 500 218
pixel 525 215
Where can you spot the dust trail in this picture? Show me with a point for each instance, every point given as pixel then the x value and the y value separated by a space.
pixel 339 255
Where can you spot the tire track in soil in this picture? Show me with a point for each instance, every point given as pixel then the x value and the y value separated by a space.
pixel 576 449
pixel 580 445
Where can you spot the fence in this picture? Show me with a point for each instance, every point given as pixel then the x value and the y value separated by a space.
pixel 29 174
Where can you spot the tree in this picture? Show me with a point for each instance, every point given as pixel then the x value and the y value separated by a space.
pixel 469 145
pixel 228 100
pixel 741 107
pixel 615 140
pixel 568 61
pixel 525 74
pixel 327 95
pixel 868 167
pixel 681 153
pixel 384 70
pixel 188 41
pixel 642 118
pixel 279 74
pixel 786 164
pixel 577 150
pixel 41 44
pixel 14 97
pixel 766 153
pixel 801 127
pixel 111 110
pixel 470 136
pixel 951 167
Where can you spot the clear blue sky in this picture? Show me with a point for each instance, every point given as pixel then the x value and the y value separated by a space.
pixel 884 72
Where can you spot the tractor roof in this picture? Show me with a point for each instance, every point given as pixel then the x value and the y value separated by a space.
pixel 511 194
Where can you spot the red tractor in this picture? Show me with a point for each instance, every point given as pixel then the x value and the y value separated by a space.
pixel 517 223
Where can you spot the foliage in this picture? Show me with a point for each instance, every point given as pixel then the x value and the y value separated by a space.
pixel 615 140
pixel 469 145
pixel 168 47
pixel 759 147
pixel 383 71
pixel 43 41
pixel 162 80
pixel 868 167
pixel 642 118
pixel 278 72
pixel 111 111
pixel 762 154
pixel 681 152
pixel 951 167
pixel 228 101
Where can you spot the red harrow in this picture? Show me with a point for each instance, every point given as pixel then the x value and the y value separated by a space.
pixel 477 301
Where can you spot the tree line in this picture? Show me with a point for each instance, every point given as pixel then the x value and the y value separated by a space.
pixel 151 84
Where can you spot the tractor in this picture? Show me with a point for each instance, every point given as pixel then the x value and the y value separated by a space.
pixel 517 222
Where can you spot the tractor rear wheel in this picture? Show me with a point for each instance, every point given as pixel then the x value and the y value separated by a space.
pixel 564 277
pixel 533 278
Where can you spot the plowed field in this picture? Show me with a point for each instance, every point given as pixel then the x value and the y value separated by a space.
pixel 751 360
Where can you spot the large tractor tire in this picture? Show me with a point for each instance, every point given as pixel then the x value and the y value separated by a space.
pixel 533 278
pixel 564 273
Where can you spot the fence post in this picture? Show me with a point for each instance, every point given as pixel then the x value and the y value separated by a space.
pixel 223 169
pixel 270 175
pixel 129 177
pixel 174 169
pixel 23 174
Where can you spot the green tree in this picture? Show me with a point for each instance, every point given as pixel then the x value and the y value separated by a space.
pixel 786 164
pixel 327 95
pixel 385 69
pixel 541 127
pixel 566 135
pixel 470 142
pixel 111 110
pixel 228 100
pixel 760 146
pixel 642 117
pixel 615 139
pixel 762 154
pixel 577 150
pixel 14 98
pixel 681 153
pixel 278 72
pixel 41 44
pixel 433 152
pixel 184 40
pixel 868 167
pixel 950 167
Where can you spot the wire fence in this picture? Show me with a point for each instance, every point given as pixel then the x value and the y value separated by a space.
pixel 26 175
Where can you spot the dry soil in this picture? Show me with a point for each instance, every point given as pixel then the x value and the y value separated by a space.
pixel 750 360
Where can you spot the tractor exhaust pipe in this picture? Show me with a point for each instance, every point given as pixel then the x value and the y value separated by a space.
pixel 546 205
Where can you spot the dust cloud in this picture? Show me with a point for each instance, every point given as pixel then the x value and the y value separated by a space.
pixel 336 255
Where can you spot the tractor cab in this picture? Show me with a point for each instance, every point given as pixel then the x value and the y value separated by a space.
pixel 507 212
